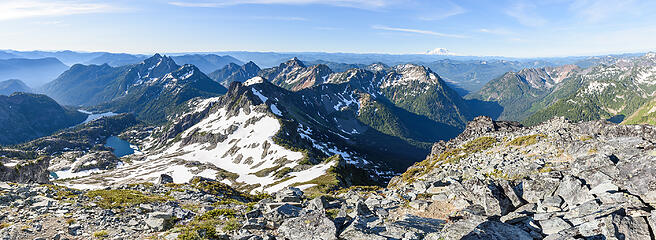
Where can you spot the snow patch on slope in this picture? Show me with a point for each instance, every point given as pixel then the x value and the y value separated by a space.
pixel 244 145
pixel 647 76
pixel 275 110
pixel 259 95
pixel 253 80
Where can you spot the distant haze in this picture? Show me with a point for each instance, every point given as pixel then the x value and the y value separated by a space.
pixel 472 28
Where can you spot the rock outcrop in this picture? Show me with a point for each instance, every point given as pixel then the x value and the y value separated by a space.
pixel 24 171
pixel 556 180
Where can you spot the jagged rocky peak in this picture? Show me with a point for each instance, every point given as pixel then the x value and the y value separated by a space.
pixel 294 62
pixel 152 68
pixel 353 74
pixel 235 73
pixel 250 66
pixel 159 61
pixel 232 67
pixel 294 75
pixel 408 74
pixel 377 67
pixel 647 60
pixel 546 77
pixel 651 55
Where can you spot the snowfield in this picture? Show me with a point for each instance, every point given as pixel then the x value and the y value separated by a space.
pixel 244 147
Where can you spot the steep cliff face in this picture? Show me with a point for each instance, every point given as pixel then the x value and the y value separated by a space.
pixel 24 171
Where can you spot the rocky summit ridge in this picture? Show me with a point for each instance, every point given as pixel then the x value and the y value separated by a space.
pixel 496 180
pixel 556 180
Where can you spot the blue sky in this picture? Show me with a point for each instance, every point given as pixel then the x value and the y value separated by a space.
pixel 538 28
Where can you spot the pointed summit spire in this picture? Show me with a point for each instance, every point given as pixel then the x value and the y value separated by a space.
pixel 294 62
pixel 251 67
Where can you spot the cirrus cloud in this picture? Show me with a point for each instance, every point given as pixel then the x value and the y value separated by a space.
pixel 369 4
pixel 18 9
pixel 417 31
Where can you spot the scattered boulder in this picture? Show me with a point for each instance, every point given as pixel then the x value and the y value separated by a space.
pixel 553 225
pixel 164 179
pixel 279 214
pixel 289 194
pixel 160 221
pixel 312 226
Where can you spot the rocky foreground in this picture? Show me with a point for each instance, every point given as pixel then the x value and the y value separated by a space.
pixel 497 180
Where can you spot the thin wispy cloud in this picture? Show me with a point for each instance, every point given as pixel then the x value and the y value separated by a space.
pixel 18 9
pixel 600 10
pixel 278 18
pixel 48 22
pixel 417 31
pixel 525 13
pixel 328 28
pixel 496 31
pixel 447 9
pixel 369 4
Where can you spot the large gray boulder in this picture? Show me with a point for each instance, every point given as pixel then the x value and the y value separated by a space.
pixel 476 227
pixel 279 214
pixel 573 191
pixel 289 194
pixel 160 221
pixel 311 226
pixel 554 225
pixel 364 228
pixel 412 227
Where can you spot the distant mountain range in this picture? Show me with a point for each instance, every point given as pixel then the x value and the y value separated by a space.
pixel 26 116
pixel 116 59
pixel 150 89
pixel 611 92
pixel 302 123
pixel 465 74
pixel 10 86
pixel 234 73
pixel 614 89
pixel 157 98
pixel 206 62
pixel 411 87
pixel 516 92
pixel 33 72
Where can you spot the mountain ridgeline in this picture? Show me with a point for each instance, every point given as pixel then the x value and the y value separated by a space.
pixel 410 87
pixel 234 73
pixel 612 90
pixel 274 127
pixel 26 116
pixel 33 72
pixel 151 89
pixel 10 86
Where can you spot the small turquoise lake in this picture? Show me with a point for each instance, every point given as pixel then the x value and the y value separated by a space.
pixel 120 146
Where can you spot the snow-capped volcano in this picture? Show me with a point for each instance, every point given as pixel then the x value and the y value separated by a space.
pixel 439 51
